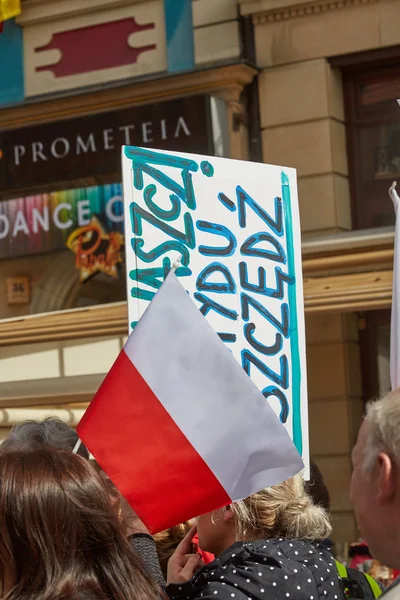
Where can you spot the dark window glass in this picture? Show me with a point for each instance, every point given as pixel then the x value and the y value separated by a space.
pixel 373 118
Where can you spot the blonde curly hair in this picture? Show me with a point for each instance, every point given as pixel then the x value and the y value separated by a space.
pixel 167 542
pixel 284 510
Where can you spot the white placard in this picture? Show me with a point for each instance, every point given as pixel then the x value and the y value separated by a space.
pixel 234 227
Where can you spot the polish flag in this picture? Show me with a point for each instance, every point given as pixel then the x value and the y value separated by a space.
pixel 177 425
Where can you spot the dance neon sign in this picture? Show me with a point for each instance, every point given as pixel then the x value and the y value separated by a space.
pixel 88 221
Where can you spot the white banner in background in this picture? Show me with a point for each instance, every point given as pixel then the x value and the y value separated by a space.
pixel 234 227
pixel 395 315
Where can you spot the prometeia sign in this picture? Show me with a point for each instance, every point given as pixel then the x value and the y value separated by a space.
pixel 91 146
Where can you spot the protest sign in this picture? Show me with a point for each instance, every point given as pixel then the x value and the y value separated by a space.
pixel 234 227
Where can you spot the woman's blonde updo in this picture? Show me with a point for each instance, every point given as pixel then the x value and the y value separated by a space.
pixel 284 510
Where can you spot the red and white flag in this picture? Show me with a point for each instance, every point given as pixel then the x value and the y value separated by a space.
pixel 177 424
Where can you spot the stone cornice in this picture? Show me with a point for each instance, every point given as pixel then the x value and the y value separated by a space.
pixel 266 11
pixel 41 11
pixel 333 281
pixel 226 82
pixel 330 293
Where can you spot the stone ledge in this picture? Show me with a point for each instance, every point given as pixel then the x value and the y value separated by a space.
pixel 62 392
pixel 226 82
pixel 42 11
pixel 339 293
pixel 266 11
pixel 348 293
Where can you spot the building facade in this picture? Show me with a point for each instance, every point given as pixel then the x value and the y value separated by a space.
pixel 82 78
pixel 329 80
pixel 307 84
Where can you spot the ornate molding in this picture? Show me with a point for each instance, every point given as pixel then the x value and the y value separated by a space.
pixel 348 293
pixel 220 81
pixel 348 262
pixel 98 321
pixel 42 11
pixel 368 285
pixel 339 279
pixel 305 9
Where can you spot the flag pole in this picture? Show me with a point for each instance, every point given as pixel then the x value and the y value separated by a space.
pixel 176 264
pixel 77 446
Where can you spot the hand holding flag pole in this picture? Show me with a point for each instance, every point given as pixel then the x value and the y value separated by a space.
pixel 183 563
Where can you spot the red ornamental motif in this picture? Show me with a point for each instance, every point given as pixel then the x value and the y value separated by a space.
pixel 96 47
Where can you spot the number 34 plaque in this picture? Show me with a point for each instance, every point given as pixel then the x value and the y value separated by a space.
pixel 18 290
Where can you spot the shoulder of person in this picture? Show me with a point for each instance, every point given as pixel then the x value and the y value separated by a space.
pixel 260 570
pixel 392 592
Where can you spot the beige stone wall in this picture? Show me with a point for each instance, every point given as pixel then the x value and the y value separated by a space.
pixel 303 126
pixel 54 283
pixel 55 359
pixel 41 26
pixel 54 378
pixel 33 267
pixel 302 120
pixel 302 112
pixel 216 31
pixel 335 408
pixel 289 31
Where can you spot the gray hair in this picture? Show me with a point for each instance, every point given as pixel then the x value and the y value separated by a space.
pixel 283 510
pixel 50 432
pixel 383 429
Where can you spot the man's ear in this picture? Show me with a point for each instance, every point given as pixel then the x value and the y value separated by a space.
pixel 387 478
pixel 228 513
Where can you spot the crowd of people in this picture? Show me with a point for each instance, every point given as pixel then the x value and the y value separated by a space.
pixel 66 533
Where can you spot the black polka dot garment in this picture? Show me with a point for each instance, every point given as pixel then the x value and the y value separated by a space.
pixel 266 570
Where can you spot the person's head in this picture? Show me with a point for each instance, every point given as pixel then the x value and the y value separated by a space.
pixel 59 536
pixel 375 485
pixel 317 489
pixel 284 510
pixel 50 432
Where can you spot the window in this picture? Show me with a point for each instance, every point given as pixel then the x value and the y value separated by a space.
pixel 373 130
pixel 61 198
